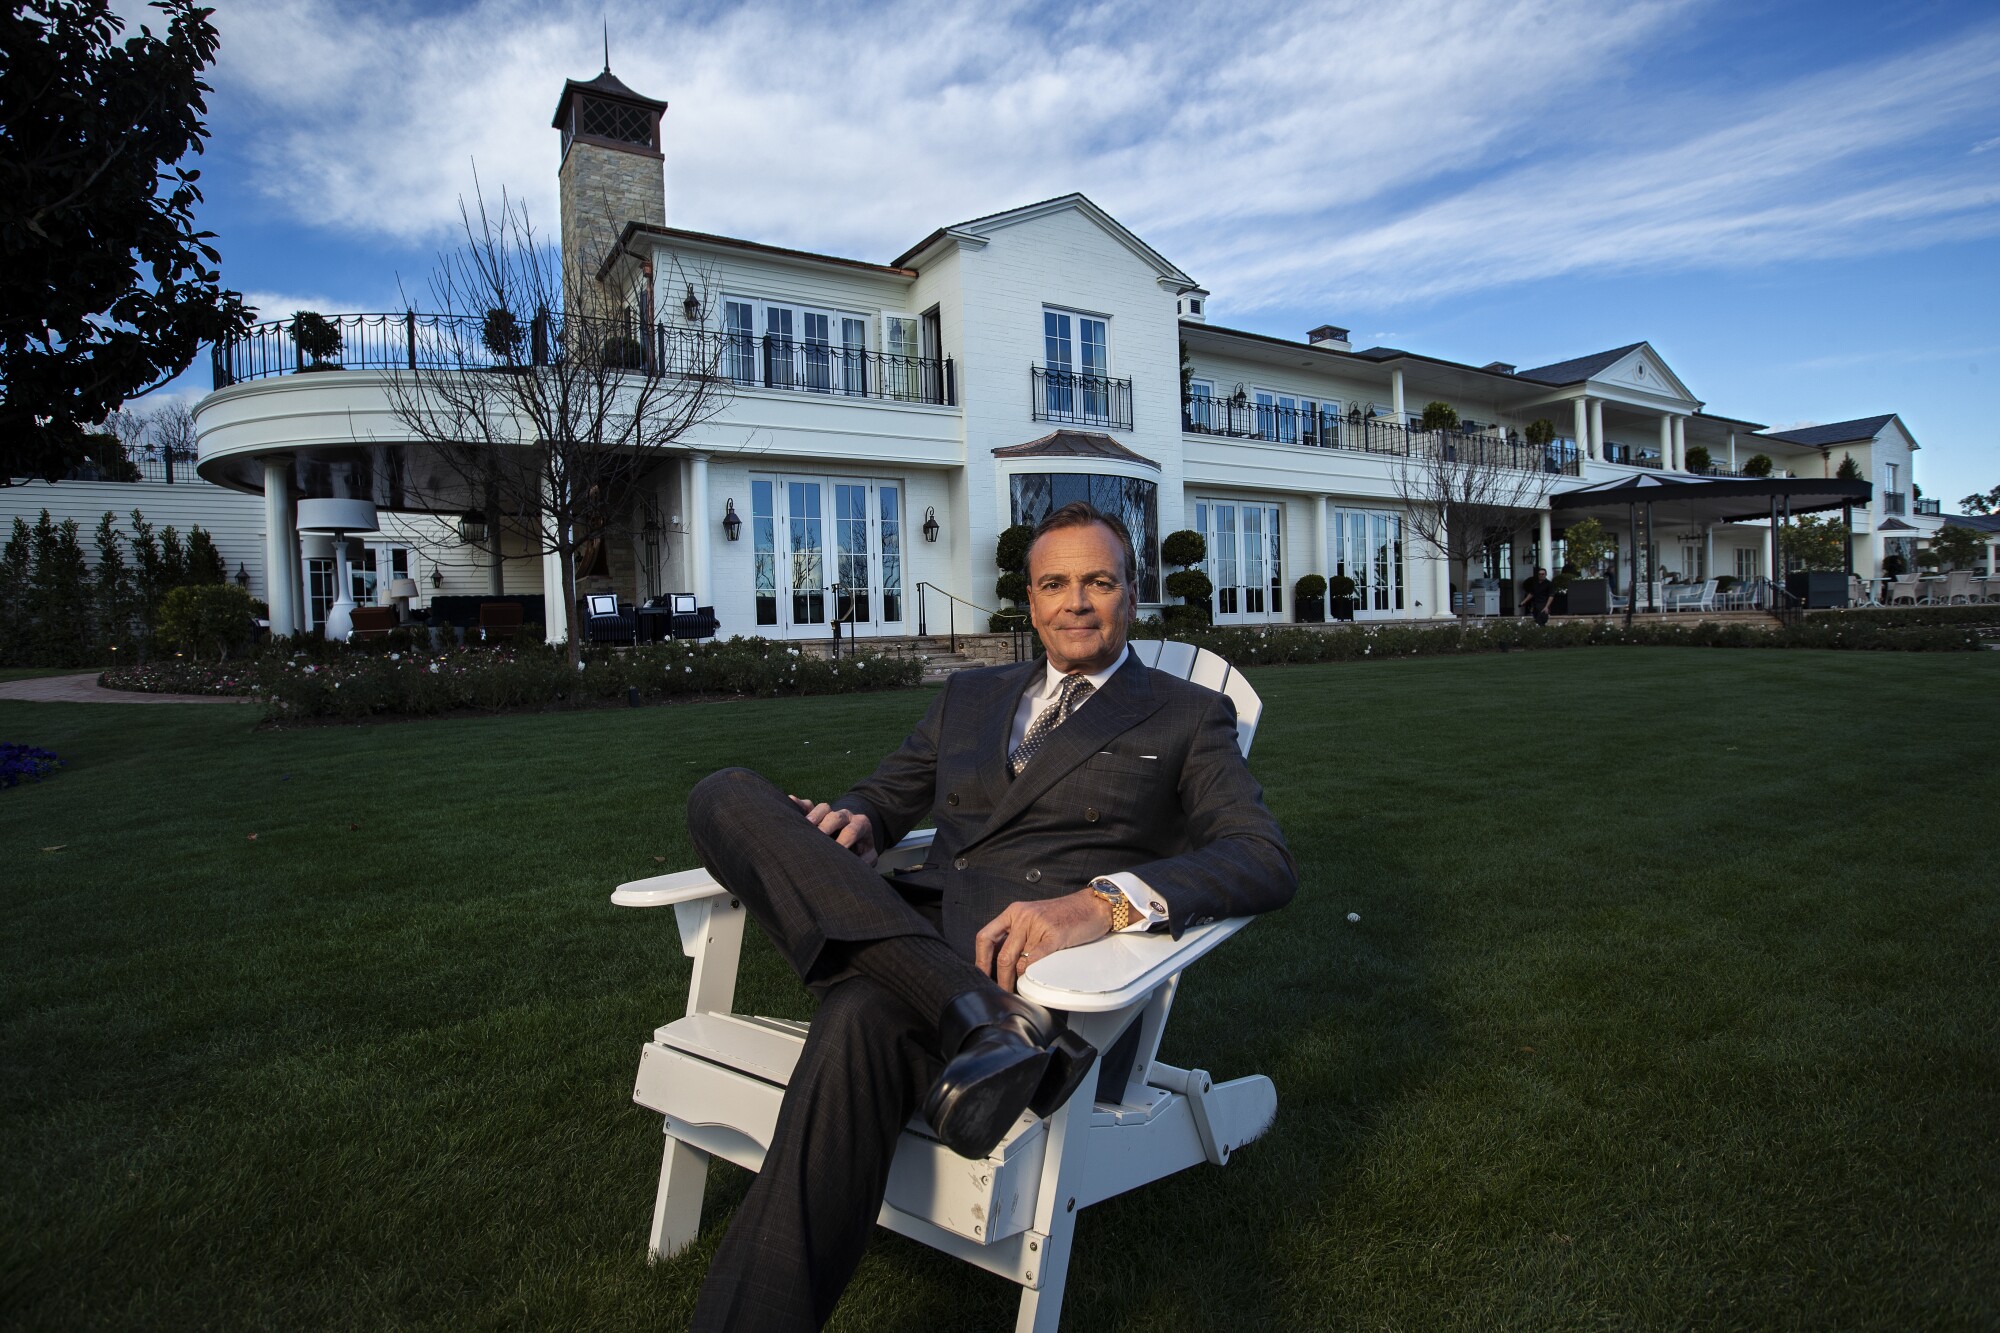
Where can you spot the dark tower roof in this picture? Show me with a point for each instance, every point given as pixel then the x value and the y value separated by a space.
pixel 604 111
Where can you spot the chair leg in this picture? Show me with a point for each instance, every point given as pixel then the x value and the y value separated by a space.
pixel 1041 1309
pixel 677 1207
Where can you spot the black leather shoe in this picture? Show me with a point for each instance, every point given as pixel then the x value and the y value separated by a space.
pixel 1004 1055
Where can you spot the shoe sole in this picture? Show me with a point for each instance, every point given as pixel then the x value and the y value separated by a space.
pixel 973 1118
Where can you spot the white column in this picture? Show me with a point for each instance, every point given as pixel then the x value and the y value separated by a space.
pixel 281 548
pixel 1396 397
pixel 1732 451
pixel 1319 564
pixel 702 525
pixel 1666 444
pixel 1597 428
pixel 1771 553
pixel 1583 428
pixel 1547 537
pixel 1680 444
pixel 556 599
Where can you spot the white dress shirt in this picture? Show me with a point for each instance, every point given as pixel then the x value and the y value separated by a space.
pixel 1032 704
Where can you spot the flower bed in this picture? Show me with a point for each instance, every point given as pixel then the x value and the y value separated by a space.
pixel 1264 647
pixel 20 763
pixel 183 675
pixel 352 685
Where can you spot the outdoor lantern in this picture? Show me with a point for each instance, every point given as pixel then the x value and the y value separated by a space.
pixel 242 576
pixel 692 306
pixel 930 523
pixel 472 526
pixel 437 577
pixel 732 526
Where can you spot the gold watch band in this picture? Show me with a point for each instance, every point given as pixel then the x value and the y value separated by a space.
pixel 1121 906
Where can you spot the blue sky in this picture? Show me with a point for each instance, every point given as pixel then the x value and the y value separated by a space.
pixel 1797 204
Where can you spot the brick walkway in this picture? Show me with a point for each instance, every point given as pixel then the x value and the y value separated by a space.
pixel 84 689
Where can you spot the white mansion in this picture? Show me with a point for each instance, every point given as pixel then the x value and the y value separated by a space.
pixel 883 422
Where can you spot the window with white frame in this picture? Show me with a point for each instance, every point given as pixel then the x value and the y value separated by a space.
pixel 1076 360
pixel 787 345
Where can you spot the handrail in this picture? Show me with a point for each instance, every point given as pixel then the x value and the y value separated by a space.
pixel 952 603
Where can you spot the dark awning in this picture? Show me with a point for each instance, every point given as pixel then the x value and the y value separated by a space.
pixel 1710 499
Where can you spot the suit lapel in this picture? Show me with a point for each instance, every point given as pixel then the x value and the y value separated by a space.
pixel 995 726
pixel 1125 700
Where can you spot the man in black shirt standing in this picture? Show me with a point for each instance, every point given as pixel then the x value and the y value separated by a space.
pixel 1538 595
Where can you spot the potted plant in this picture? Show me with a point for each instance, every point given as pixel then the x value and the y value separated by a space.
pixel 317 338
pixel 1758 466
pixel 1894 566
pixel 1185 550
pixel 1439 415
pixel 1815 555
pixel 1585 547
pixel 1342 588
pixel 1699 460
pixel 1309 599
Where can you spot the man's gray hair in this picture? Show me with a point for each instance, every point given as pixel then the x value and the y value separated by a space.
pixel 1079 514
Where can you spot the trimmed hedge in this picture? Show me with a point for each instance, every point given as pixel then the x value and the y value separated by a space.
pixel 1267 647
pixel 358 685
pixel 1903 617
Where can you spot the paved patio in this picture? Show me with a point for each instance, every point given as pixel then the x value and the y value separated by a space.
pixel 83 688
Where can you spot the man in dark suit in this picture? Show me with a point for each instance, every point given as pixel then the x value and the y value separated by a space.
pixel 1072 798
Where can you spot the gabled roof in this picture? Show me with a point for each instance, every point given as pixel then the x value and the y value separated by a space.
pixel 1977 522
pixel 1859 430
pixel 981 229
pixel 1578 368
pixel 1074 444
pixel 633 229
pixel 1893 525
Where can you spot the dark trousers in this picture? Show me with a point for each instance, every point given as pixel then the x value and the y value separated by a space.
pixel 869 1058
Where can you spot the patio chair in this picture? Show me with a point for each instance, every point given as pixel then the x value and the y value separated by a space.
pixel 606 621
pixel 1691 596
pixel 718 1079
pixel 1958 588
pixel 1860 591
pixel 1904 589
pixel 374 622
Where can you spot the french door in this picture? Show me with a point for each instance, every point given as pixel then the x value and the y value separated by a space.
pixel 827 548
pixel 1245 560
pixel 1367 546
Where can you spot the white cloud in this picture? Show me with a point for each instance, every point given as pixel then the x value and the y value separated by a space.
pixel 1325 154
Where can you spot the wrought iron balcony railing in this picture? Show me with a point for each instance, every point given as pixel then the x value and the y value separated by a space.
pixel 1932 507
pixel 1083 400
pixel 1203 414
pixel 412 341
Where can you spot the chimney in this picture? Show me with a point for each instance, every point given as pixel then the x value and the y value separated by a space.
pixel 1193 306
pixel 1499 367
pixel 612 170
pixel 1331 337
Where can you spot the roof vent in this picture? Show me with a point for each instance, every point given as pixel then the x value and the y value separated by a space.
pixel 1499 367
pixel 1330 336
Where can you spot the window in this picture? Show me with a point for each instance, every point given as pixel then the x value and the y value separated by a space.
pixel 1077 358
pixel 782 345
pixel 1367 546
pixel 1201 407
pixel 814 536
pixel 1746 563
pixel 1134 500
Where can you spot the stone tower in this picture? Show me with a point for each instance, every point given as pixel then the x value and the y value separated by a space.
pixel 612 170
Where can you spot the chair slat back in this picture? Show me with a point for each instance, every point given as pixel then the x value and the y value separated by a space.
pixel 1201 667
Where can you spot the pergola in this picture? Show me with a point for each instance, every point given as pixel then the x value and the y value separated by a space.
pixel 1709 500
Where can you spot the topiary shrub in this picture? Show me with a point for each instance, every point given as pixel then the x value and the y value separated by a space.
pixel 1699 459
pixel 1311 585
pixel 1849 470
pixel 1186 549
pixel 1758 466
pixel 214 616
pixel 1439 415
pixel 1541 432
pixel 319 339
pixel 1010 553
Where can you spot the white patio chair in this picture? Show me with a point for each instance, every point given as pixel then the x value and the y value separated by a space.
pixel 718 1078
pixel 1958 588
pixel 1904 589
pixel 1691 596
pixel 1860 591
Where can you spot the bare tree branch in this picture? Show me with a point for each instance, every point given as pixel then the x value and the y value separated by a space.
pixel 1462 493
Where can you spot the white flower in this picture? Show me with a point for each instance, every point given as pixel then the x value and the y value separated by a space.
pixel 395 657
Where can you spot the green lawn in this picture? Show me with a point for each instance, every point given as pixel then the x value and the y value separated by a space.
pixel 1672 1004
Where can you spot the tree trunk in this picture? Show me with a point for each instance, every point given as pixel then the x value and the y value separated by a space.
pixel 566 557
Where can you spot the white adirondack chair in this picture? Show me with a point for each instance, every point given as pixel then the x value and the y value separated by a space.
pixel 718 1078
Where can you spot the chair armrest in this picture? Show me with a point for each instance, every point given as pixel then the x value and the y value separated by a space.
pixel 909 852
pixel 1120 969
pixel 683 886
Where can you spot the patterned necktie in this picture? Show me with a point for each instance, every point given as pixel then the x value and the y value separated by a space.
pixel 1073 691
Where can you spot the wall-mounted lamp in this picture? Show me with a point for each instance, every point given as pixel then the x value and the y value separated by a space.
pixel 732 526
pixel 242 576
pixel 437 577
pixel 930 523
pixel 691 307
pixel 472 527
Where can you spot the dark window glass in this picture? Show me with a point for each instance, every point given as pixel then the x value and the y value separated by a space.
pixel 1135 501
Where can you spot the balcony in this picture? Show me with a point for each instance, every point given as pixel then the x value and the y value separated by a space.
pixel 1203 414
pixel 411 341
pixel 1080 400
pixel 1893 503
pixel 1931 507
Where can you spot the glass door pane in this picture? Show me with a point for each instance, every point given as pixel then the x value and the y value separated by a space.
pixel 778 347
pixel 890 501
pixel 739 330
pixel 1253 560
pixel 1223 547
pixel 764 534
pixel 1096 365
pixel 1273 563
pixel 1059 386
pixel 853 356
pixel 816 349
pixel 805 552
pixel 850 537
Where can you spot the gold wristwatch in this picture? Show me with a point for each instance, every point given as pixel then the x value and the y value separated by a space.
pixel 1121 906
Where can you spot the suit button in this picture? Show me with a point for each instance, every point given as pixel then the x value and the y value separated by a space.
pixel 1034 877
pixel 959 864
pixel 1090 816
pixel 951 798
